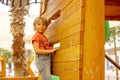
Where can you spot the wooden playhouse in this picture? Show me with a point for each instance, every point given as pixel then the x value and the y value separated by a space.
pixel 78 26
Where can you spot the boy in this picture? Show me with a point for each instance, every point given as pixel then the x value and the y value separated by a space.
pixel 42 48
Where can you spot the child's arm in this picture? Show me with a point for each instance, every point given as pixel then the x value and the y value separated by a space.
pixel 42 51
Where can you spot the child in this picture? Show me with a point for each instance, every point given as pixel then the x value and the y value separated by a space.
pixel 42 48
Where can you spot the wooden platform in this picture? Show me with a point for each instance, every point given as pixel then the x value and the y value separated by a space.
pixel 19 78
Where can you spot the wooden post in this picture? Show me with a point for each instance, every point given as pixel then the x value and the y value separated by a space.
pixel 29 70
pixel 2 60
pixel 94 40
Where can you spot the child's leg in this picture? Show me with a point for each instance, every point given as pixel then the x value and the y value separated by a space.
pixel 46 72
pixel 44 67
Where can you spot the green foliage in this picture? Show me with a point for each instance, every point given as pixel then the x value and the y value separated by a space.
pixel 107 30
pixel 114 34
pixel 6 53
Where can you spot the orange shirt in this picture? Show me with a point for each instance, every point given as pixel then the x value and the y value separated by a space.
pixel 39 38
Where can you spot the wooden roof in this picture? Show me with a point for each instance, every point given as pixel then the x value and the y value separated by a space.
pixel 112 9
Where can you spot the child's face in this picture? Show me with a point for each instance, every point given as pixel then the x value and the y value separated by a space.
pixel 39 27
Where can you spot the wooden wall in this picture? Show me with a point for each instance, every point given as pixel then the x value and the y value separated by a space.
pixel 72 26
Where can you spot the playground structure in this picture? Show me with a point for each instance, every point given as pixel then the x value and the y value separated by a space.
pixel 79 28
pixel 29 70
pixel 78 25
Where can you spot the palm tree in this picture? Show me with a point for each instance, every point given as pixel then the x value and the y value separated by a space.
pixel 18 11
pixel 114 34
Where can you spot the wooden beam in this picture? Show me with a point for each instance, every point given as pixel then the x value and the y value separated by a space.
pixel 93 60
pixel 2 60
pixel 29 70
pixel 112 61
pixel 112 10
pixel 112 2
pixel 19 78
pixel 112 17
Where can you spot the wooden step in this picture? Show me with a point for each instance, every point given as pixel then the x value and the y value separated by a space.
pixel 18 78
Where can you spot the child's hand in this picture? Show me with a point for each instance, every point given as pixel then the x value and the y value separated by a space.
pixel 54 50
pixel 57 48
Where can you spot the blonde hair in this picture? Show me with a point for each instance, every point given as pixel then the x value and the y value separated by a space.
pixel 44 21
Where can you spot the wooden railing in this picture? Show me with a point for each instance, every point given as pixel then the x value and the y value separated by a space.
pixel 29 70
pixel 113 62
pixel 3 66
pixel 19 78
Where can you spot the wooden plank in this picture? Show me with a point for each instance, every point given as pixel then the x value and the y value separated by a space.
pixel 70 41
pixel 28 68
pixel 112 18
pixel 58 34
pixel 65 3
pixel 71 31
pixel 67 54
pixel 55 38
pixel 94 40
pixel 73 6
pixel 67 65
pixel 112 11
pixel 55 24
pixel 51 6
pixel 54 29
pixel 72 20
pixel 55 34
pixel 68 74
pixel 112 2
pixel 58 6
pixel 18 78
pixel 0 74
pixel 3 66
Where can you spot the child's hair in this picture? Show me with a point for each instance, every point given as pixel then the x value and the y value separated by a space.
pixel 44 21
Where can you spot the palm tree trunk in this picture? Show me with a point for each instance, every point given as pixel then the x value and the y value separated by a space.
pixel 18 11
